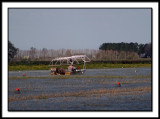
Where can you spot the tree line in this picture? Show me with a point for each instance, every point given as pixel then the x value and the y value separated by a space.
pixel 106 52
pixel 143 50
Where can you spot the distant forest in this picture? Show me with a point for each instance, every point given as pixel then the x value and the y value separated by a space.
pixel 143 50
pixel 106 51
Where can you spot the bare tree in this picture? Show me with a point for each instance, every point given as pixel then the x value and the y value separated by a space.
pixel 68 52
pixel 44 52
pixel 32 52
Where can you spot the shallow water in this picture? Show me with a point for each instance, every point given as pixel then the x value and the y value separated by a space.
pixel 91 72
pixel 106 101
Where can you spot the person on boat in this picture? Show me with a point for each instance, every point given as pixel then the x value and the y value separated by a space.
pixel 70 60
pixel 72 68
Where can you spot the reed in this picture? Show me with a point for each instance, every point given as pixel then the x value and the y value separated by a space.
pixel 77 77
pixel 89 66
pixel 113 91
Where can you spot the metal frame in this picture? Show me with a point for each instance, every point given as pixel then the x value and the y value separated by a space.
pixel 74 58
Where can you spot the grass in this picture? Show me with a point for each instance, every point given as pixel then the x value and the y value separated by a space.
pixel 113 91
pixel 77 76
pixel 106 65
pixel 43 97
pixel 89 66
pixel 28 67
pixel 98 105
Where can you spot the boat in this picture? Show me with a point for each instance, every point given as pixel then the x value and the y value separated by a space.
pixel 56 64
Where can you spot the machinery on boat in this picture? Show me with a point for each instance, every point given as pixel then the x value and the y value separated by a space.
pixel 70 62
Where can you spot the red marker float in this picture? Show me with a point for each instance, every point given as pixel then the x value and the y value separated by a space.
pixel 118 84
pixel 17 89
pixel 24 74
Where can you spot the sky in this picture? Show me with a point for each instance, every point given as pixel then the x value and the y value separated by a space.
pixel 77 28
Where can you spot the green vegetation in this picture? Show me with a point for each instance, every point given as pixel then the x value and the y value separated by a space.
pixel 28 67
pixel 43 97
pixel 104 65
pixel 131 47
pixel 12 51
pixel 89 66
pixel 138 90
pixel 76 76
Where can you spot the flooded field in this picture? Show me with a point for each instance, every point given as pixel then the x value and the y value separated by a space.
pixel 95 90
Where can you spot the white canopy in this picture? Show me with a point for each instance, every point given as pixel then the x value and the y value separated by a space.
pixel 71 57
pixel 70 60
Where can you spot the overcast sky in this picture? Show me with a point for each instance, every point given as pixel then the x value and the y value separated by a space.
pixel 77 28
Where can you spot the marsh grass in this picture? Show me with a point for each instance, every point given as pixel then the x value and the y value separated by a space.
pixel 125 82
pixel 113 91
pixel 43 97
pixel 28 67
pixel 88 65
pixel 76 77
pixel 98 105
pixel 117 65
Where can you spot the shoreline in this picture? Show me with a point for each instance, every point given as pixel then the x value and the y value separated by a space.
pixel 88 66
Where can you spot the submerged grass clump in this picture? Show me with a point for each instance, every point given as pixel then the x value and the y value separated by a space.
pixel 43 97
pixel 76 77
pixel 114 91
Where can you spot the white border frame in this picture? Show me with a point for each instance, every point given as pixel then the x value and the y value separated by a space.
pixel 155 94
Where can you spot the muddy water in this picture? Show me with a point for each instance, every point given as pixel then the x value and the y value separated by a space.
pixel 106 101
